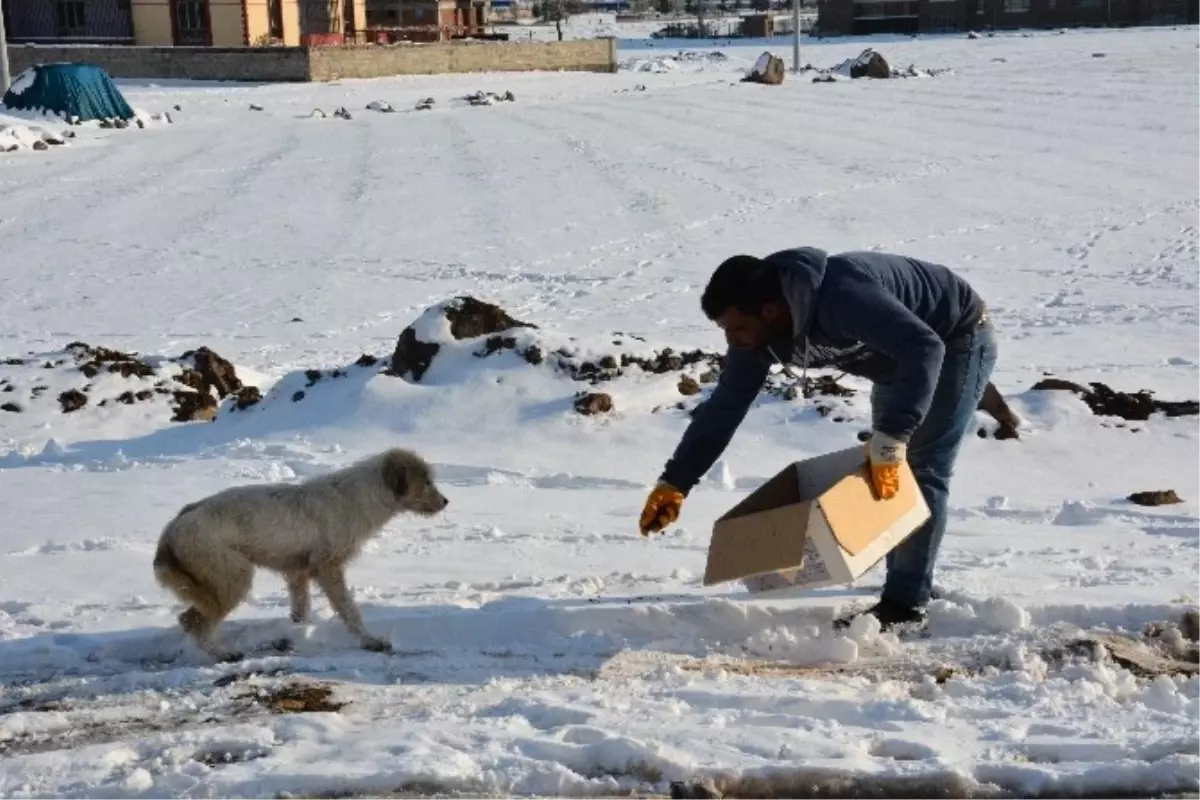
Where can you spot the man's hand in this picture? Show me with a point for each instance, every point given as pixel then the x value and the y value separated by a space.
pixel 662 508
pixel 886 455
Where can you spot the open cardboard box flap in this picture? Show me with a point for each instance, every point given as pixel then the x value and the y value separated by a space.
pixel 767 531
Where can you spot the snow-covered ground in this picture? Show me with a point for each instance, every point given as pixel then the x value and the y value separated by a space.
pixel 541 645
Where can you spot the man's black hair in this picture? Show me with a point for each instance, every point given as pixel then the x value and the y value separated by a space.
pixel 746 283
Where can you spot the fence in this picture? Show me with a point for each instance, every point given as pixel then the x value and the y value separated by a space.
pixel 83 21
pixel 326 63
pixel 718 29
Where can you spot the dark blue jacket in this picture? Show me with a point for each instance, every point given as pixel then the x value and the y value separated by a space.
pixel 881 316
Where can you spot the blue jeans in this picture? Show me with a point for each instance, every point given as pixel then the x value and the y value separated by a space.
pixel 932 451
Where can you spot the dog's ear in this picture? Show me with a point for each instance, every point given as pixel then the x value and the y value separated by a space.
pixel 395 476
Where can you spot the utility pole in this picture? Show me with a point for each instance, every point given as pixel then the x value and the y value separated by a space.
pixel 795 36
pixel 5 76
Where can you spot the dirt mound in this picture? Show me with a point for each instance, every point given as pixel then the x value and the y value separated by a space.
pixel 497 332
pixel 247 396
pixel 769 70
pixel 1107 402
pixel 72 400
pixel 467 318
pixel 609 367
pixel 194 407
pixel 94 360
pixel 1159 498
pixel 92 376
pixel 209 371
pixel 871 64
pixel 307 384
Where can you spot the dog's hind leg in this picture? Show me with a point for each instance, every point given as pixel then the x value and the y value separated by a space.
pixel 229 583
pixel 329 577
pixel 297 586
pixel 201 629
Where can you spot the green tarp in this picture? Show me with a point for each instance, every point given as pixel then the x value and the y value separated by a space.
pixel 76 91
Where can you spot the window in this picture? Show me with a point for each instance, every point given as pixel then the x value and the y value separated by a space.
pixel 69 18
pixel 1016 6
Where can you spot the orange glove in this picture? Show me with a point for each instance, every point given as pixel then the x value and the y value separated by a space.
pixel 662 508
pixel 886 455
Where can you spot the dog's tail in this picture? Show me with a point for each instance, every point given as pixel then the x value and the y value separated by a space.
pixel 174 574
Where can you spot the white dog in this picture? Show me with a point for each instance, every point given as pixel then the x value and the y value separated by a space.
pixel 305 531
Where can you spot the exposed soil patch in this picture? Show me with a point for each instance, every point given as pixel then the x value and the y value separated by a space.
pixel 471 318
pixel 689 386
pixel 295 698
pixel 1131 406
pixel 215 372
pixel 412 356
pixel 1149 657
pixel 247 396
pixel 130 397
pixel 468 318
pixel 194 380
pixel 1159 498
pixel 993 404
pixel 591 403
pixel 193 406
pixel 72 400
pixel 94 360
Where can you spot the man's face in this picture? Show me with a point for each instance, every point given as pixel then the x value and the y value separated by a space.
pixel 750 331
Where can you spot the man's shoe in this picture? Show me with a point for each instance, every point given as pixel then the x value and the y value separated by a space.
pixel 889 615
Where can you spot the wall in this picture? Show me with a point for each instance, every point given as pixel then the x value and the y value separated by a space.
pixel 227 22
pixel 291 23
pixel 197 63
pixel 152 24
pixel 290 64
pixel 836 17
pixel 586 55
pixel 258 20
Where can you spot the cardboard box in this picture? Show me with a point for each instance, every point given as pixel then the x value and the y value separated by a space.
pixel 816 523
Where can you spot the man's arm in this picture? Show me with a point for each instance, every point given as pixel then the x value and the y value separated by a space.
pixel 863 310
pixel 717 418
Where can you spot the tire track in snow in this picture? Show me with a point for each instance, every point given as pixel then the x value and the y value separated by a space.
pixel 911 110
pixel 119 175
pixel 659 150
pixel 622 177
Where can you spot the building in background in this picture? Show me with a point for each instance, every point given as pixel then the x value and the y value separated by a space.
pixel 425 20
pixel 865 17
pixel 511 10
pixel 82 21
pixel 184 23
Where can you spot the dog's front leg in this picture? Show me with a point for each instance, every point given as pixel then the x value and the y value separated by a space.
pixel 329 577
pixel 297 586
